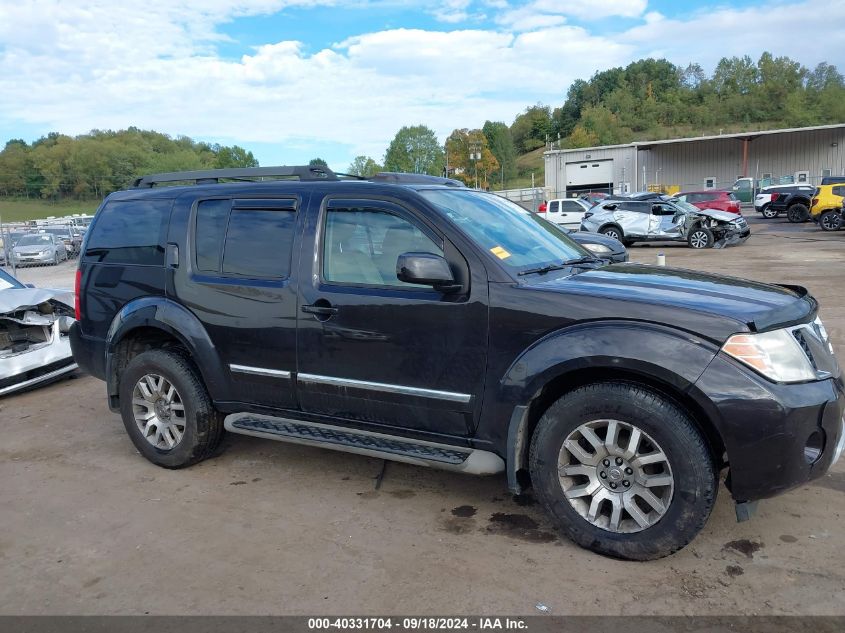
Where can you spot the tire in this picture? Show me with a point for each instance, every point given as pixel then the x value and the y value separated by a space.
pixel 798 213
pixel 663 427
pixel 56 258
pixel 201 424
pixel 700 237
pixel 830 221
pixel 613 231
pixel 768 212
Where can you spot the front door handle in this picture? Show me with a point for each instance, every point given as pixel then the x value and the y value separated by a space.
pixel 323 310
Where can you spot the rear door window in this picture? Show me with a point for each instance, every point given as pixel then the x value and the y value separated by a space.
pixel 245 238
pixel 130 232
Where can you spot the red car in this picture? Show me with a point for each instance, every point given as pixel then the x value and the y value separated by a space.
pixel 710 199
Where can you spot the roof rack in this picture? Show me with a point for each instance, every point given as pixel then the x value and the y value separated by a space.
pixel 213 176
pixel 400 178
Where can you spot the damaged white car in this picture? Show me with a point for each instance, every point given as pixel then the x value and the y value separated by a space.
pixel 655 217
pixel 34 346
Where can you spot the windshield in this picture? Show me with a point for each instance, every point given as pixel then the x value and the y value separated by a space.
pixel 517 237
pixel 686 206
pixel 34 240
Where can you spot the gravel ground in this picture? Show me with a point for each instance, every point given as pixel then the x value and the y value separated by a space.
pixel 89 527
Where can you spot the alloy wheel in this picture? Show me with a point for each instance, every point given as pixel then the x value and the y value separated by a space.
pixel 699 239
pixel 158 411
pixel 615 476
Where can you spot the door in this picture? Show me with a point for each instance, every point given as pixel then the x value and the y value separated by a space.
pixel 571 214
pixel 237 281
pixel 633 217
pixel 666 222
pixel 373 349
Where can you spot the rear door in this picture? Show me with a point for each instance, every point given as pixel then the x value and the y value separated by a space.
pixel 633 217
pixel 373 349
pixel 237 281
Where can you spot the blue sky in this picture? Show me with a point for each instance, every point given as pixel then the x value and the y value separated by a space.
pixel 295 79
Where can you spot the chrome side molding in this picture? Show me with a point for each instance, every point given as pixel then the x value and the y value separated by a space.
pixel 259 371
pixel 451 396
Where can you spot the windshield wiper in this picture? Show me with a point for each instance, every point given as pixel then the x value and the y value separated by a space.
pixel 542 270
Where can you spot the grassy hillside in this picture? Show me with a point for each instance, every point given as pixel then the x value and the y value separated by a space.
pixel 18 210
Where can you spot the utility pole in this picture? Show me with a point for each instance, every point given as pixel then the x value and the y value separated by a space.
pixel 475 156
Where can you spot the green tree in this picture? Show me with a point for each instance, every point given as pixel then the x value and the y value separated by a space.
pixel 500 141
pixel 469 153
pixel 317 162
pixel 233 156
pixel 531 128
pixel 415 150
pixel 364 166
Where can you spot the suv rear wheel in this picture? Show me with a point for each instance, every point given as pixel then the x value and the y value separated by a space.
pixel 830 221
pixel 623 471
pixel 166 410
pixel 798 213
pixel 613 231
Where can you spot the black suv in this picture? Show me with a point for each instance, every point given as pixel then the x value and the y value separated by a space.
pixel 407 318
pixel 794 201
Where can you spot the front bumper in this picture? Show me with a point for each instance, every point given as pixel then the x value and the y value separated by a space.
pixel 41 258
pixel 767 426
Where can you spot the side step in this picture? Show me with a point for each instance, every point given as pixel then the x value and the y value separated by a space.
pixel 401 449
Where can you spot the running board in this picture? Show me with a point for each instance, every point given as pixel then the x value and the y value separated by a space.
pixel 401 449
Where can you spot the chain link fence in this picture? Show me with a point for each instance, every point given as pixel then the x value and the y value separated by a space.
pixel 43 255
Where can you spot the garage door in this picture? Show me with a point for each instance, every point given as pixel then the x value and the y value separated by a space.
pixel 589 172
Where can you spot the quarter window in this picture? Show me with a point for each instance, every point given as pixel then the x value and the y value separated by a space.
pixel 130 232
pixel 361 246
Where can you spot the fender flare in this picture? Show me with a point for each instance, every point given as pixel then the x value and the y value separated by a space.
pixel 174 319
pixel 584 348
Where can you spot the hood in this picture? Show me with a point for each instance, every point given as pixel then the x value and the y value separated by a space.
pixel 716 214
pixel 17 299
pixel 758 306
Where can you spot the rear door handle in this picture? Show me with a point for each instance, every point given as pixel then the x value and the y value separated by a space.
pixel 323 310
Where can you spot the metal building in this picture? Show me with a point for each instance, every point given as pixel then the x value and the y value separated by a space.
pixel 706 162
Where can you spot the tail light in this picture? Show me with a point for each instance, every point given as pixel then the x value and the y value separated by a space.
pixel 815 201
pixel 775 196
pixel 77 301
pixel 588 214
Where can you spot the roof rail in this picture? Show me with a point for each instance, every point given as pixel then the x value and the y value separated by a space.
pixel 400 178
pixel 213 176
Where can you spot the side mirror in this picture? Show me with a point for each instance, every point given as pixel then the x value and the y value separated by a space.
pixel 426 269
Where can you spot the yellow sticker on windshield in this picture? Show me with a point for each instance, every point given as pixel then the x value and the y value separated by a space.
pixel 500 252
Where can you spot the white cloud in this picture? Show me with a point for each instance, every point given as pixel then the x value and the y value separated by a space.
pixel 74 66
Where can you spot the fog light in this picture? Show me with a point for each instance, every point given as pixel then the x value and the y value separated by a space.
pixel 814 446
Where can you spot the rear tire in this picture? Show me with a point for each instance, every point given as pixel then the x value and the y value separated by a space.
pixel 830 221
pixel 700 237
pixel 768 212
pixel 171 429
pixel 613 231
pixel 689 478
pixel 798 213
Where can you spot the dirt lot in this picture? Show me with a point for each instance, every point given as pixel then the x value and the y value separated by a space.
pixel 88 526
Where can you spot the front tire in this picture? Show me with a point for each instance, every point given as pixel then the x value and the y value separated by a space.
pixel 798 213
pixel 166 410
pixel 700 237
pixel 596 438
pixel 830 221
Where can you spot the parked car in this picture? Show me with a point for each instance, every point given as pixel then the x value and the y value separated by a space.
pixel 71 238
pixel 463 332
pixel 648 217
pixel 795 203
pixel 762 201
pixel 565 211
pixel 712 199
pixel 594 197
pixel 34 346
pixel 599 245
pixel 826 207
pixel 38 248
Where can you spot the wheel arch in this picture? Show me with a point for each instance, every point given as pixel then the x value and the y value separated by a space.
pixel 154 323
pixel 674 380
pixel 614 225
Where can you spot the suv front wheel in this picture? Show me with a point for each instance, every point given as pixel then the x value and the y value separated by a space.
pixel 623 471
pixel 166 410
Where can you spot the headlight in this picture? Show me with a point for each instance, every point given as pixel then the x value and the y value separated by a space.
pixel 776 355
pixel 598 249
